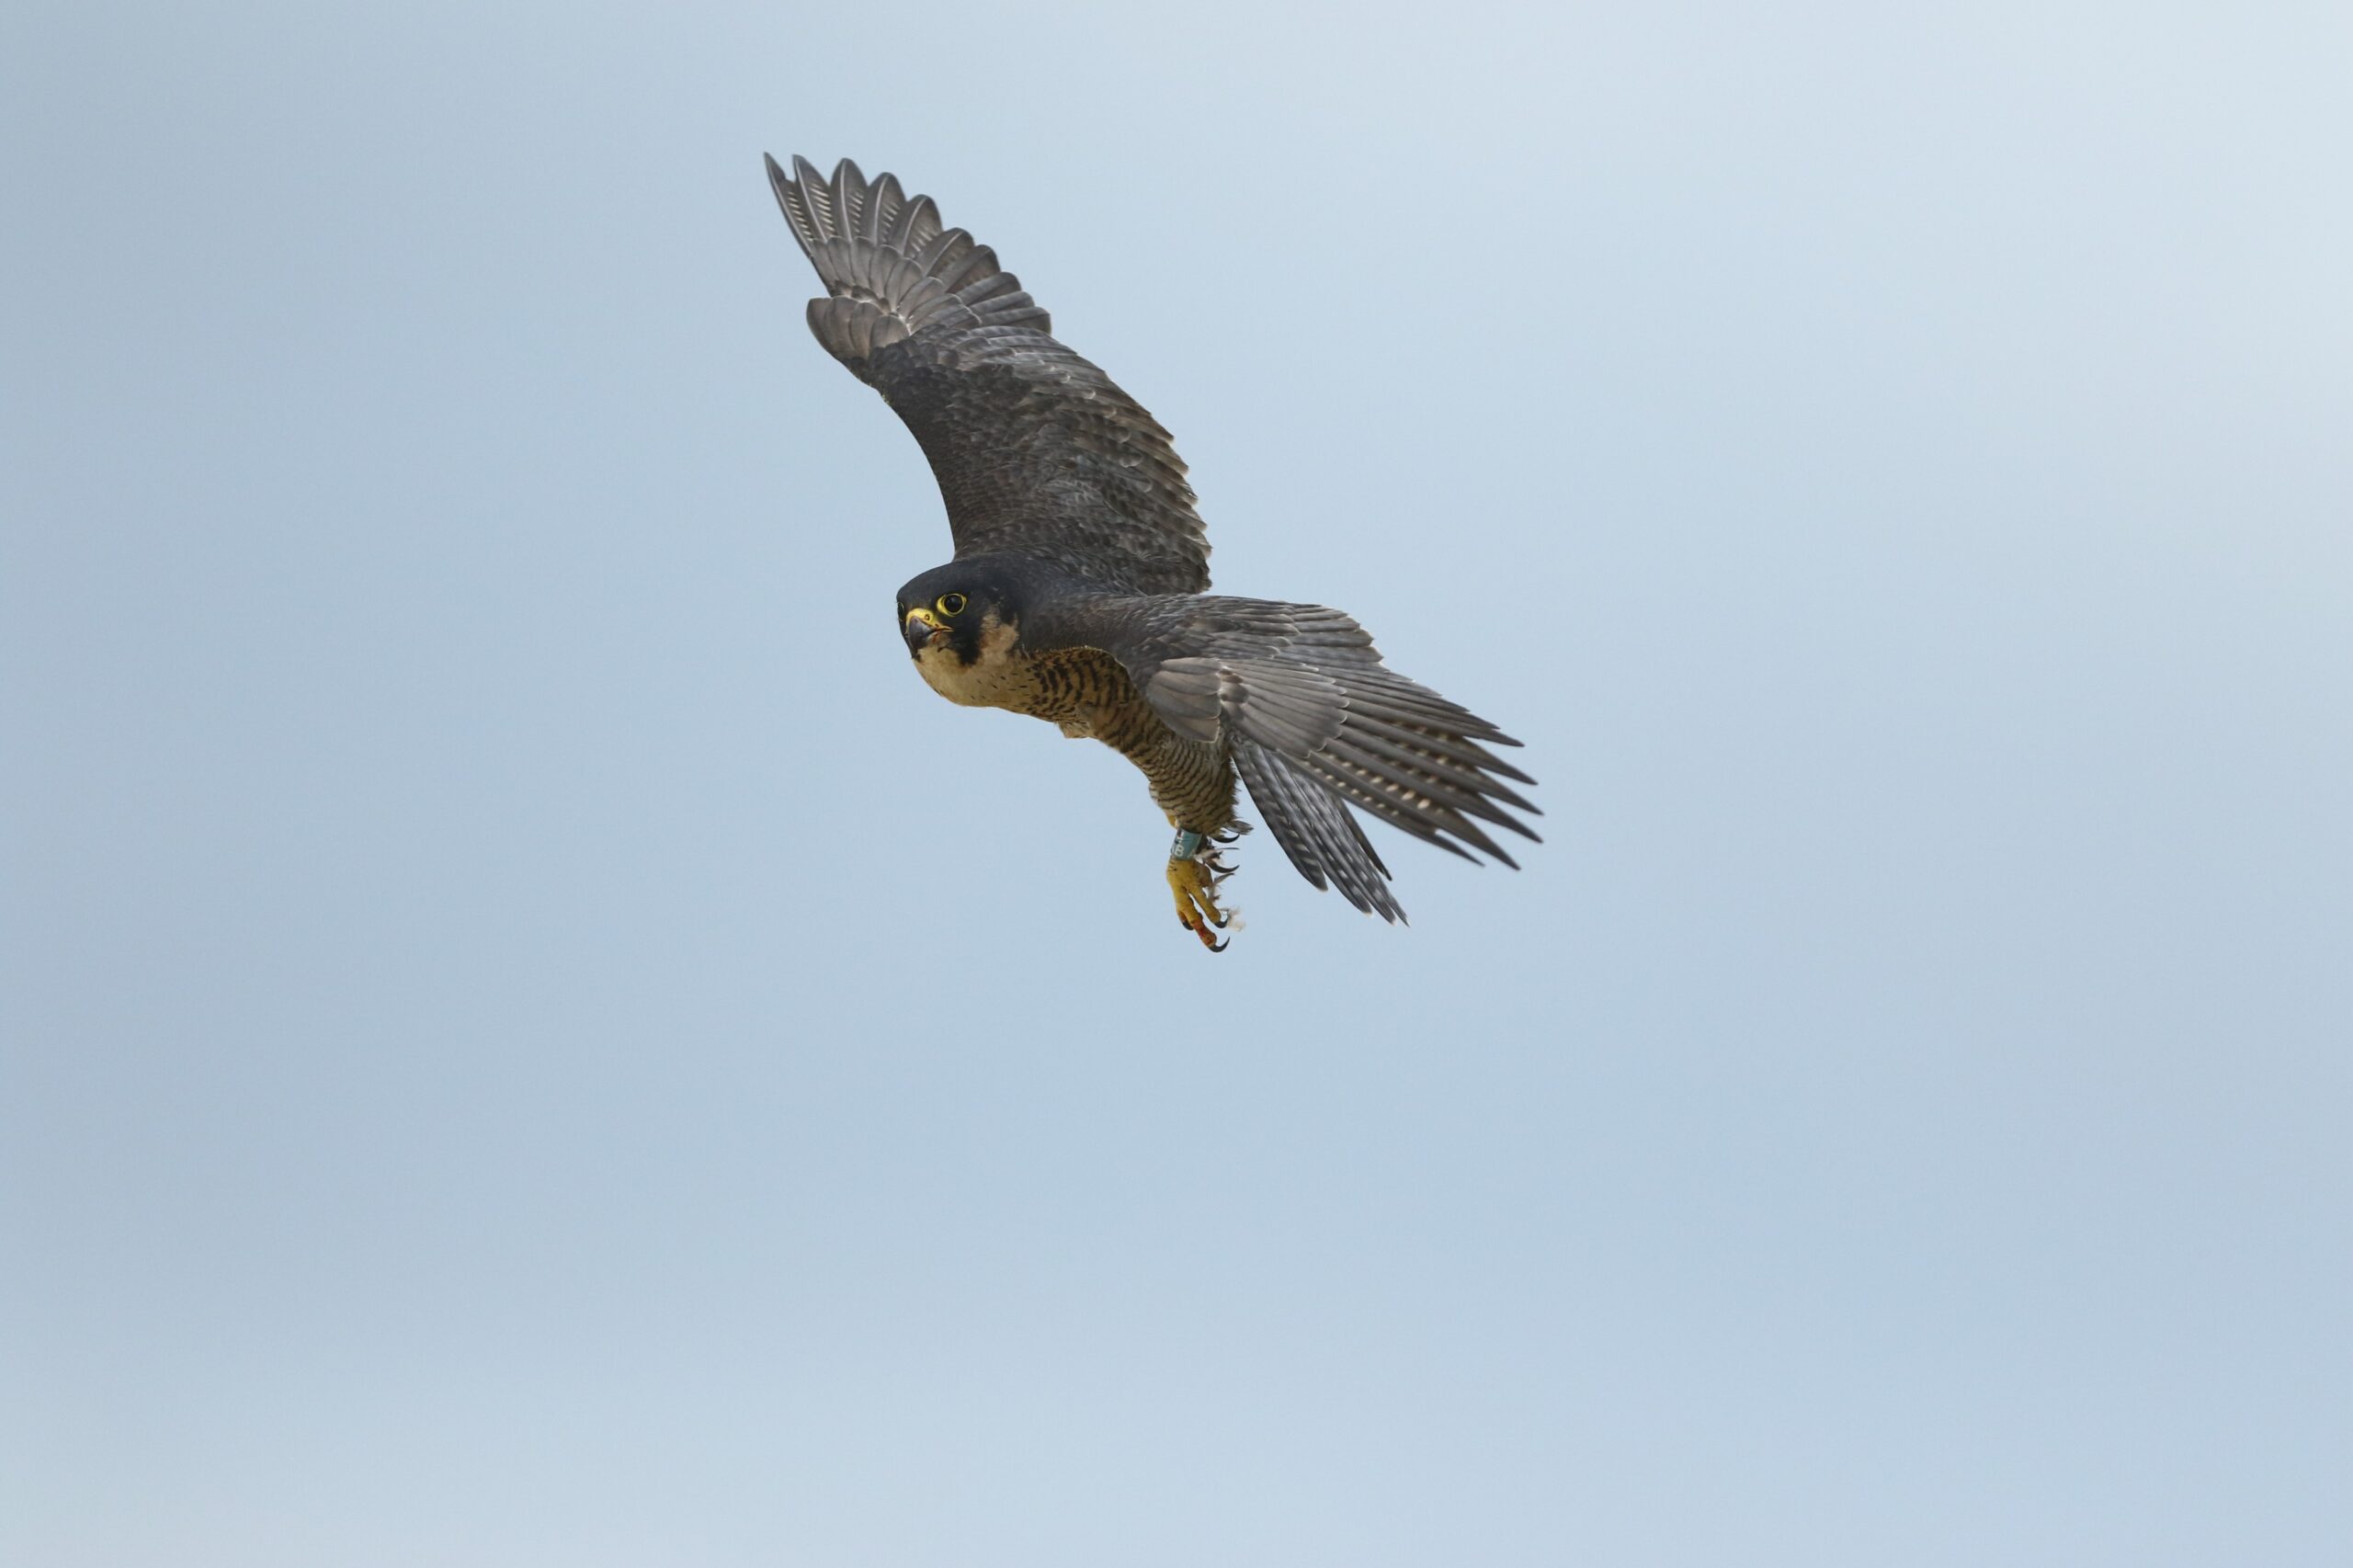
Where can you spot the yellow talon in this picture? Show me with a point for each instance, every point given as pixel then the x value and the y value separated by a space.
pixel 1195 886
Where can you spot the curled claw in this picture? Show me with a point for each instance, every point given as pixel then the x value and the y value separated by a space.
pixel 1194 880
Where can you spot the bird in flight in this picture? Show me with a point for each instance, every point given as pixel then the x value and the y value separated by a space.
pixel 1079 590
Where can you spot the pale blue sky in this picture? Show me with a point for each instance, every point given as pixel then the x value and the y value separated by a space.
pixel 530 1037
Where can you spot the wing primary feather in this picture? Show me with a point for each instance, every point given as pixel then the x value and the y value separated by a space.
pixel 1308 714
pixel 1376 805
pixel 1467 785
pixel 923 222
pixel 890 213
pixel 891 199
pixel 1316 831
pixel 814 192
pixel 849 199
pixel 1444 744
pixel 796 210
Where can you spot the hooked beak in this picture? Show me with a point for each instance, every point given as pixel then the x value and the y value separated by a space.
pixel 917 629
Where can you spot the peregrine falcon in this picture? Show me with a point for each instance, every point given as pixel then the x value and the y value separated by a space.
pixel 1079 590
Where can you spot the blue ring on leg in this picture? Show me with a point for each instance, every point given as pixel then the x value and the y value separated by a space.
pixel 1187 844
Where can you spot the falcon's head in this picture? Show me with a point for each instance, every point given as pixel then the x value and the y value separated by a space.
pixel 962 611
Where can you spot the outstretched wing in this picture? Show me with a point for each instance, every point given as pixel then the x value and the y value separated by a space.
pixel 1313 719
pixel 1037 452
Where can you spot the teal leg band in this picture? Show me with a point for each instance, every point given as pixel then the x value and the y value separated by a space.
pixel 1187 844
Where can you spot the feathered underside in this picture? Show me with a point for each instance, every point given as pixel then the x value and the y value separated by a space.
pixel 1037 452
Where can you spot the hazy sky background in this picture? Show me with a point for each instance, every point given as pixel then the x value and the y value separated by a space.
pixel 530 1037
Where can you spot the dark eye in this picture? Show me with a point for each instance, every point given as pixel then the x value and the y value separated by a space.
pixel 950 605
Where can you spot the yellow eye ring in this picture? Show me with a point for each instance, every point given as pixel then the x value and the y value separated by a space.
pixel 949 605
